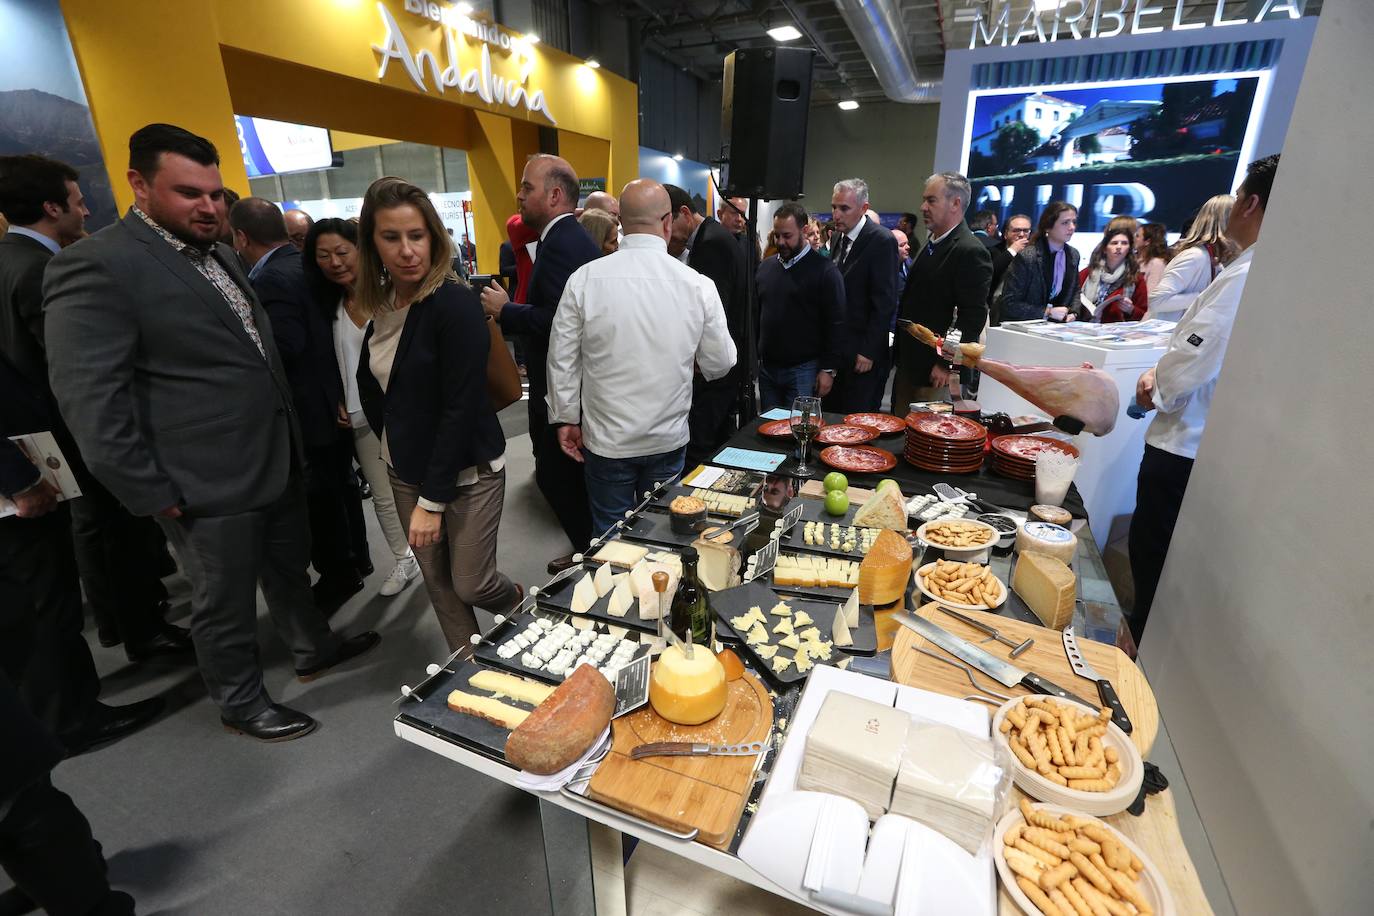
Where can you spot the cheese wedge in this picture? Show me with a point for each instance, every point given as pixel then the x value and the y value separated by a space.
pixel 839 631
pixel 790 642
pixel 781 609
pixel 884 509
pixel 603 580
pixel 508 685
pixel 718 566
pixel 803 662
pixel 584 594
pixel 1047 587
pixel 757 636
pixel 493 711
pixel 648 598
pixel 784 627
pixel 801 619
pixel 620 553
pixel 765 651
pixel 781 663
pixel 884 572
pixel 851 608
pixel 622 596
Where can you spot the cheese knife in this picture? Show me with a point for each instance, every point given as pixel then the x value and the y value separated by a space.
pixel 1105 690
pixel 689 749
pixel 1004 672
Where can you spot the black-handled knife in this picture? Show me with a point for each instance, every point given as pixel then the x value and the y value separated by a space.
pixel 1105 690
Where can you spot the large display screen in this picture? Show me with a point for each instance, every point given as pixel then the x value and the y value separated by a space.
pixel 1155 150
pixel 274 147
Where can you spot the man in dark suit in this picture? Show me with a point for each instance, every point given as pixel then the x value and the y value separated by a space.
pixel 947 284
pixel 305 342
pixel 866 255
pixel 118 555
pixel 547 199
pixel 166 369
pixel 708 248
pixel 1015 236
pixel 984 226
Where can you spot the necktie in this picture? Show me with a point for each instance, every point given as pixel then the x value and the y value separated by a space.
pixel 930 247
pixel 842 249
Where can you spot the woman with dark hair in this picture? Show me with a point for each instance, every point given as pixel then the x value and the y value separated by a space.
pixel 1043 280
pixel 1152 252
pixel 422 379
pixel 329 257
pixel 1112 288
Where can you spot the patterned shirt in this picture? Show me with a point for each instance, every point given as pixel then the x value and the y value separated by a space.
pixel 213 271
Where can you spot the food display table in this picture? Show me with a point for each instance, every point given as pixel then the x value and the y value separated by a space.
pixel 1106 475
pixel 573 824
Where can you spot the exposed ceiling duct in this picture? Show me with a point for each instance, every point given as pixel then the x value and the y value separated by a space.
pixel 878 29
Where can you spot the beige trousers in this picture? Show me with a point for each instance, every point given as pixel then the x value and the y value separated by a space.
pixel 460 568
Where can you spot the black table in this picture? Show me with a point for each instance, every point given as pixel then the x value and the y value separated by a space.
pixel 990 487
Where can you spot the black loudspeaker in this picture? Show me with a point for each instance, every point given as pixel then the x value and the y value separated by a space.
pixel 766 101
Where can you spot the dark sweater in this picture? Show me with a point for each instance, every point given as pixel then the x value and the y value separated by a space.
pixel 801 312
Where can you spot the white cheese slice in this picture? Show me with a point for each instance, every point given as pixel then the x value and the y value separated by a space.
pixel 584 595
pixel 622 596
pixel 603 580
pixel 801 619
pixel 839 631
pixel 851 610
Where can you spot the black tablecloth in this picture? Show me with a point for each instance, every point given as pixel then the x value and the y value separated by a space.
pixel 990 487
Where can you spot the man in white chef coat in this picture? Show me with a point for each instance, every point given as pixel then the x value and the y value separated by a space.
pixel 626 335
pixel 1180 390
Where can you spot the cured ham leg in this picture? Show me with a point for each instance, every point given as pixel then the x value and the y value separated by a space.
pixel 1078 398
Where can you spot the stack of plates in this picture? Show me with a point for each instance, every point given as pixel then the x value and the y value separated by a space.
pixel 944 443
pixel 1014 456
pixel 948 781
pixel 854 749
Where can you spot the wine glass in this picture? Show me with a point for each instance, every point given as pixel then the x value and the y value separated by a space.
pixel 806 425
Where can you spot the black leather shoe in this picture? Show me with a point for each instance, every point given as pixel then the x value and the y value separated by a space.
pixel 366 570
pixel 275 723
pixel 107 723
pixel 109 638
pixel 350 648
pixel 564 562
pixel 330 595
pixel 15 902
pixel 170 641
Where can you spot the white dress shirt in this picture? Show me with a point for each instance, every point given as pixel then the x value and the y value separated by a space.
pixel 348 348
pixel 1187 373
pixel 1184 278
pixel 38 237
pixel 625 337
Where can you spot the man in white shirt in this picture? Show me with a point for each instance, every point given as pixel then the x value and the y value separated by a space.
pixel 1180 388
pixel 627 333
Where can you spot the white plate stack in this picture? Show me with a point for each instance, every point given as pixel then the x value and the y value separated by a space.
pixel 948 781
pixel 854 750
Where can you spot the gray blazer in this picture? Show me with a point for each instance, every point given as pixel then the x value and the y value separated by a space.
pixel 165 393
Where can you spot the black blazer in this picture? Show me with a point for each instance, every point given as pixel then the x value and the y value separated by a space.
pixel 716 255
pixel 566 248
pixel 22 262
pixel 870 290
pixel 305 340
pixel 436 412
pixel 954 277
pixel 1026 291
pixel 1001 260
pixel 24 408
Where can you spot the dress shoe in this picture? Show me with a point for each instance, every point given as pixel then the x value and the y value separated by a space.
pixel 106 723
pixel 170 641
pixel 332 594
pixel 109 638
pixel 365 570
pixel 350 648
pixel 564 562
pixel 275 723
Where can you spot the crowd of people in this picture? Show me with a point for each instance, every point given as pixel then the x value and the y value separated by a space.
pixel 232 381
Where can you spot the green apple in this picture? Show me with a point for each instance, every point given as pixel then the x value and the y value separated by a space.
pixel 836 481
pixel 837 502
pixel 887 482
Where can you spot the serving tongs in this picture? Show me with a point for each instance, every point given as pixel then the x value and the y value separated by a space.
pixel 749 522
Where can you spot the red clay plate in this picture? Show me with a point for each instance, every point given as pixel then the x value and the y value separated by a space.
pixel 1028 447
pixel 843 434
pixel 946 427
pixel 885 423
pixel 859 459
pixel 778 429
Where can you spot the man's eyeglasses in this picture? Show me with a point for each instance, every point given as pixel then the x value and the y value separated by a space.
pixel 1018 231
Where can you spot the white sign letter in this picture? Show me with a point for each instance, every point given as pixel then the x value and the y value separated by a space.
pixel 1218 20
pixel 1292 7
pixel 1179 24
pixel 395 48
pixel 1118 16
pixel 1002 24
pixel 1142 8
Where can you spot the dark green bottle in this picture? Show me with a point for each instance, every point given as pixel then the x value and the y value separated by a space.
pixel 692 604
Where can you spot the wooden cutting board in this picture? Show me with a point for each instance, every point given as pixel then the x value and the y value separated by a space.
pixel 1045 658
pixel 706 794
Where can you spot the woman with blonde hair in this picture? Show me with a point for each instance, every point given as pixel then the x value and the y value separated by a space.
pixel 601 226
pixel 422 380
pixel 1198 257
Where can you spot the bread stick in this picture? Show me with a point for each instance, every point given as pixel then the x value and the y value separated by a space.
pixel 1037 897
pixel 1024 865
pixel 1061 872
pixel 1091 872
pixel 1083 845
pixel 1047 859
pixel 1013 834
pixel 1057 896
pixel 1049 840
pixel 1056 752
pixel 1066 744
pixel 1043 819
pixel 1082 772
pixel 1092 897
pixel 1026 757
pixel 1075 899
pixel 1091 785
pixel 1128 890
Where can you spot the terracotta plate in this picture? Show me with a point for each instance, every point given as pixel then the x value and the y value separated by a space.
pixel 946 427
pixel 1027 448
pixel 843 434
pixel 778 429
pixel 885 423
pixel 859 459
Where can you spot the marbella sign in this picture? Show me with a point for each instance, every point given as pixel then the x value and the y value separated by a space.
pixel 1011 22
pixel 445 72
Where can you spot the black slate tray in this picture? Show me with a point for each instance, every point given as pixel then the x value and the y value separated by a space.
pixel 432 714
pixel 671 492
pixel 560 599
pixel 738 601
pixel 486 649
pixel 656 528
pixel 817 592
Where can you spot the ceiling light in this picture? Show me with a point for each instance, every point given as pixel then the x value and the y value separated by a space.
pixel 848 105
pixel 532 38
pixel 784 33
pixel 1045 6
pixel 677 157
pixel 593 63
pixel 465 9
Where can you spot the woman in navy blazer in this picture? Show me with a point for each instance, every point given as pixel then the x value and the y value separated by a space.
pixel 422 380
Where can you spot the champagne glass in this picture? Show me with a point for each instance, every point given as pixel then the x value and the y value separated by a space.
pixel 806 425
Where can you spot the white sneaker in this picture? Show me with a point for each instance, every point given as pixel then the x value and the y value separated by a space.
pixel 401 575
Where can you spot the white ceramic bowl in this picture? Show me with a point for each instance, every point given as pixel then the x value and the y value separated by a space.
pixel 974 554
pixel 1098 804
pixel 1151 884
pixel 958 607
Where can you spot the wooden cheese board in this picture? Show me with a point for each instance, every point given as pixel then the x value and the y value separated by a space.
pixel 706 794
pixel 1045 658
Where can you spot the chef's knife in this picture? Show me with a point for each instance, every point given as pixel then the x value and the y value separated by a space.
pixel 1105 690
pixel 1006 673
pixel 688 749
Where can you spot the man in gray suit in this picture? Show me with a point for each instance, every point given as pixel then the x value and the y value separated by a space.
pixel 165 368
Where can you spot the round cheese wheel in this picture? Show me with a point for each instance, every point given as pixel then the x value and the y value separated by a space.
pixel 1050 540
pixel 687 691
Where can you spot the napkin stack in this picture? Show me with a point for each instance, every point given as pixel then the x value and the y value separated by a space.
pixel 854 749
pixel 948 781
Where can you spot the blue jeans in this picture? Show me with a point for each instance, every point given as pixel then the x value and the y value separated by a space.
pixel 616 485
pixel 780 385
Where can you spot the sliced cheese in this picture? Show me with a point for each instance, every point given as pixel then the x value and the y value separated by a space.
pixel 781 609
pixel 765 652
pixel 885 569
pixel 603 580
pixel 803 662
pixel 790 641
pixel 1047 587
pixel 620 553
pixel 508 685
pixel 839 631
pixel 493 711
pixel 784 627
pixel 884 509
pixel 810 634
pixel 851 608
pixel 801 619
pixel 622 596
pixel 820 651
pixel 757 636
pixel 781 663
pixel 584 595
